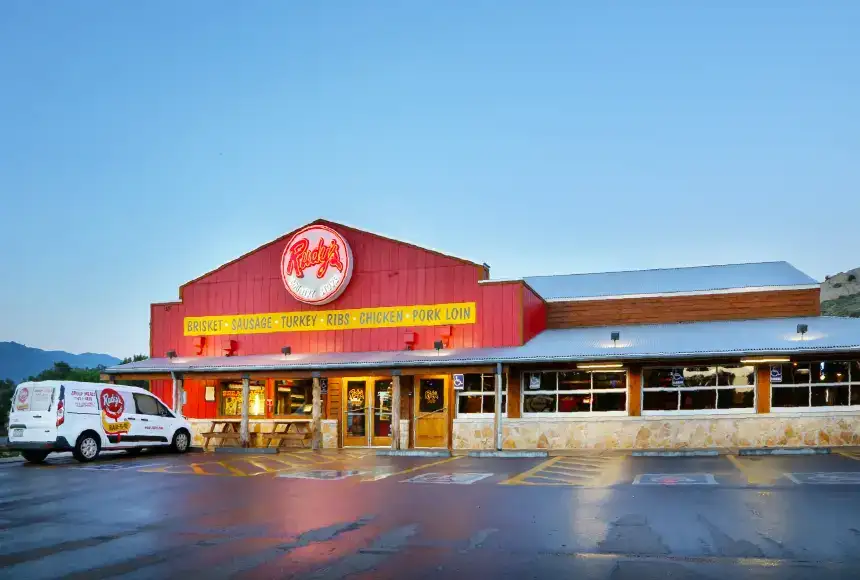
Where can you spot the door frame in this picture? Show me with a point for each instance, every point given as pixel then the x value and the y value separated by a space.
pixel 446 407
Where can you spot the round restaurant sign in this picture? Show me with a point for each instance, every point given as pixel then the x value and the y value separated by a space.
pixel 316 265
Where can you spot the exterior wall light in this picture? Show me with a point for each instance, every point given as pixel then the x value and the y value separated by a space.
pixel 760 360
pixel 596 366
pixel 171 354
pixel 615 337
pixel 286 351
pixel 438 345
pixel 802 329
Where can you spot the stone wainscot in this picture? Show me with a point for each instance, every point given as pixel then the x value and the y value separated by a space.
pixel 693 432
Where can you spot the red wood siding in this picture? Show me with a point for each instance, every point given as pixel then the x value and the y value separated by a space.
pixel 386 273
pixel 534 314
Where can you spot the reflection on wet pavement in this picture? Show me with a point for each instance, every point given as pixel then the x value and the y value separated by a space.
pixel 351 515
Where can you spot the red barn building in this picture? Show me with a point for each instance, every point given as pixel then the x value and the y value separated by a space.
pixel 335 336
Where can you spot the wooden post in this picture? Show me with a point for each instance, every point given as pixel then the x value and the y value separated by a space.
pixel 497 415
pixel 316 415
pixel 244 430
pixel 395 410
pixel 177 393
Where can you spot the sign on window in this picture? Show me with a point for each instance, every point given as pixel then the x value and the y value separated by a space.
pixel 323 386
pixel 677 378
pixel 534 382
pixel 459 382
pixel 775 374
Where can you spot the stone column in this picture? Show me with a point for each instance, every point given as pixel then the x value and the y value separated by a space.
pixel 244 428
pixel 395 410
pixel 497 415
pixel 316 415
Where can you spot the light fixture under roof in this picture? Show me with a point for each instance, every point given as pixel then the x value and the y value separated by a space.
pixel 599 366
pixel 765 359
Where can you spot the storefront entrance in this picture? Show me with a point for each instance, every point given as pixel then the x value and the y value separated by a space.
pixel 431 412
pixel 367 414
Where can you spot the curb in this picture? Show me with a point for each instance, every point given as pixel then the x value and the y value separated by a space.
pixel 413 453
pixel 786 451
pixel 508 454
pixel 687 453
pixel 247 450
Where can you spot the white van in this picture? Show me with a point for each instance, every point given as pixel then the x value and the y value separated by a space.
pixel 85 418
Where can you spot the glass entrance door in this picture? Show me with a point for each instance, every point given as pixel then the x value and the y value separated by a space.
pixel 367 412
pixel 381 419
pixel 355 413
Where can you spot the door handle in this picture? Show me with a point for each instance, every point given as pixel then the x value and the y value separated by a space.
pixel 132 418
pixel 146 420
pixel 37 416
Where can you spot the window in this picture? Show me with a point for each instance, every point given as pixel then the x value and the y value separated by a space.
pixel 574 391
pixel 231 399
pixel 432 395
pixel 294 397
pixel 816 384
pixel 478 396
pixel 698 388
pixel 146 405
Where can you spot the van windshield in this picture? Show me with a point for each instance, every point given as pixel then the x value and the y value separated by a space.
pixel 29 398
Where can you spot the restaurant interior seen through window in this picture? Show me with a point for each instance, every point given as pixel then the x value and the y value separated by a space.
pixel 697 388
pixel 575 391
pixel 294 397
pixel 478 396
pixel 815 384
pixel 230 404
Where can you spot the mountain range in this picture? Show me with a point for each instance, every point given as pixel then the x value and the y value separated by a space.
pixel 18 361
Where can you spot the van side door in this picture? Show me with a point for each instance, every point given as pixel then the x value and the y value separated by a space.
pixel 154 427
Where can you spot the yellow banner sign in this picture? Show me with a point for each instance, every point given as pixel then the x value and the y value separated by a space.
pixel 356 318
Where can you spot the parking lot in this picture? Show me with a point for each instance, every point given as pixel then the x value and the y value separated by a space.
pixel 353 514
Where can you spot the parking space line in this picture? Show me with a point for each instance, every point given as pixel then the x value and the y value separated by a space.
pixel 517 479
pixel 756 473
pixel 426 465
pixel 849 454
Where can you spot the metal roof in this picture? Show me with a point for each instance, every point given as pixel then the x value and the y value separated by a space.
pixel 764 275
pixel 639 342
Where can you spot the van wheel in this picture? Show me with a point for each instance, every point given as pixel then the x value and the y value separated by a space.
pixel 181 441
pixel 87 448
pixel 35 456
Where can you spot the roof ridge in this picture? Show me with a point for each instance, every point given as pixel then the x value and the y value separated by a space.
pixel 662 269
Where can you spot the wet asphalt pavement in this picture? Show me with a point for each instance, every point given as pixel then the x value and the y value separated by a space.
pixel 230 516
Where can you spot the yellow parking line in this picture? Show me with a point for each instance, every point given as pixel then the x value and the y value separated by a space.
pixel 848 454
pixel 518 479
pixel 426 465
pixel 756 474
pixel 231 469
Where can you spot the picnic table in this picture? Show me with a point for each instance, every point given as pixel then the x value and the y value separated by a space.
pixel 297 430
pixel 223 429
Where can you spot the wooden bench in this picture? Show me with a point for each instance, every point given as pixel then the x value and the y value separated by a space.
pixel 303 439
pixel 229 431
pixel 293 430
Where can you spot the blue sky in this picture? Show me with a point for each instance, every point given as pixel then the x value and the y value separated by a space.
pixel 142 144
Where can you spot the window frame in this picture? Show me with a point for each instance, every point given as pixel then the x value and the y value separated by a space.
pixel 219 398
pixel 524 390
pixel 275 415
pixel 733 411
pixel 851 382
pixel 482 394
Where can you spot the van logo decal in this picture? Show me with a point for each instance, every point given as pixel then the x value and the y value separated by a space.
pixel 23 402
pixel 112 403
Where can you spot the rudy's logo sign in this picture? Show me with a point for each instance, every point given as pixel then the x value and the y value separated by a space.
pixel 113 407
pixel 317 265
